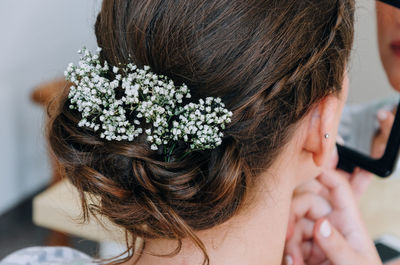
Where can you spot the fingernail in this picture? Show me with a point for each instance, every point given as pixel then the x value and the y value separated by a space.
pixel 288 260
pixel 340 140
pixel 325 229
pixel 382 115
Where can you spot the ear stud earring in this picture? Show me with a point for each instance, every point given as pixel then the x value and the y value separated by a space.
pixel 326 136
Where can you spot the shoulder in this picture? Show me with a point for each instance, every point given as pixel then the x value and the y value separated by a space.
pixel 47 256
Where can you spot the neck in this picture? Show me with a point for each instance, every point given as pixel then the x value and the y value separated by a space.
pixel 254 236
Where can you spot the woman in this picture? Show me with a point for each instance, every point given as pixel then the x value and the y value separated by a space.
pixel 279 67
pixel 388 21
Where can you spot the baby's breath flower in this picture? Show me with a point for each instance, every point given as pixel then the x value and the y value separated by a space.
pixel 149 100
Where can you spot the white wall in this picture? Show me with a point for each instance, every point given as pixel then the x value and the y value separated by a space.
pixel 367 78
pixel 38 39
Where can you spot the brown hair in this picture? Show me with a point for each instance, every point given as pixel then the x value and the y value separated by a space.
pixel 269 61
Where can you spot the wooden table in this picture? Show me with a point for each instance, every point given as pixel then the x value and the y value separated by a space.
pixel 58 208
pixel 380 207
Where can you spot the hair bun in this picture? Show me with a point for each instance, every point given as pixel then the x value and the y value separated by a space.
pixel 267 71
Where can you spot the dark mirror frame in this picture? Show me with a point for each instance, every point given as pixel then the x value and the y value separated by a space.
pixel 349 158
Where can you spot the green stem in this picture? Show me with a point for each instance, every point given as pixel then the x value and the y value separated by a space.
pixel 170 152
pixel 165 154
pixel 184 155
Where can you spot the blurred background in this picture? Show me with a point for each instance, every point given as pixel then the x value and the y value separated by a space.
pixel 39 38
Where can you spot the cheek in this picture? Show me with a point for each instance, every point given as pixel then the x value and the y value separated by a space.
pixel 391 64
pixel 394 78
pixel 384 28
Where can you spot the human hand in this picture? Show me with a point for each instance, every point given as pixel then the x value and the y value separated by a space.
pixel 358 180
pixel 305 209
pixel 308 206
pixel 300 227
pixel 386 119
pixel 340 237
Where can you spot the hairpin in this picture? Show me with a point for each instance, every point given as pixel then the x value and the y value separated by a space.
pixel 138 101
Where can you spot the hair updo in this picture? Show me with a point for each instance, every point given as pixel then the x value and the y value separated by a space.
pixel 269 61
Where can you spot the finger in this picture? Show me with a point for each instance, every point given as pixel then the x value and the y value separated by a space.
pixel 343 202
pixel 378 146
pixel 326 262
pixel 288 260
pixel 303 231
pixel 313 186
pixel 333 244
pixel 341 194
pixel 307 228
pixel 306 249
pixel 293 259
pixel 386 119
pixel 359 182
pixel 311 206
pixel 293 253
pixel 347 212
pixel 324 193
pixel 317 256
pixel 340 140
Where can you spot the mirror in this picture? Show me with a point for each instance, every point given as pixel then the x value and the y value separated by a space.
pixel 366 141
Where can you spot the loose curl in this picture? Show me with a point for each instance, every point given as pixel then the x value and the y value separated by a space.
pixel 269 61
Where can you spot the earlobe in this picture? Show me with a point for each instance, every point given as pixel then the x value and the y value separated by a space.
pixel 322 130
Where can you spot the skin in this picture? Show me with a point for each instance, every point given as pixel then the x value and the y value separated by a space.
pixel 312 202
pixel 303 242
pixel 257 234
pixel 333 196
pixel 388 25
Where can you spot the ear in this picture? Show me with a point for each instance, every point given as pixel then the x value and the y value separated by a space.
pixel 322 129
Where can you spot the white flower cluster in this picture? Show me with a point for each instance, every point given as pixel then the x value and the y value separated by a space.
pixel 137 98
pixel 201 124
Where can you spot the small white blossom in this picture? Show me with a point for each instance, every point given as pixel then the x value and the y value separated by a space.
pixel 154 147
